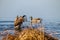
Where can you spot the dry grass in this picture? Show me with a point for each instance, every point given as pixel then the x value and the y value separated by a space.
pixel 31 34
pixel 9 37
pixel 34 34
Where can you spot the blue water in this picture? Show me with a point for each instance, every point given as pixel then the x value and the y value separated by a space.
pixel 52 28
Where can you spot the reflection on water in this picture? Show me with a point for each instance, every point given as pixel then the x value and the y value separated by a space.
pixel 50 28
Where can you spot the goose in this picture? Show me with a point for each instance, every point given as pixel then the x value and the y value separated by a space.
pixel 18 22
pixel 35 20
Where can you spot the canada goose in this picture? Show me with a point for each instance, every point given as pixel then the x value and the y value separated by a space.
pixel 35 20
pixel 18 22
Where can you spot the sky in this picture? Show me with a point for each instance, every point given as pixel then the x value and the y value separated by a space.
pixel 48 10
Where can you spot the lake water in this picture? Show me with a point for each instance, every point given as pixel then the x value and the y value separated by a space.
pixel 52 28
